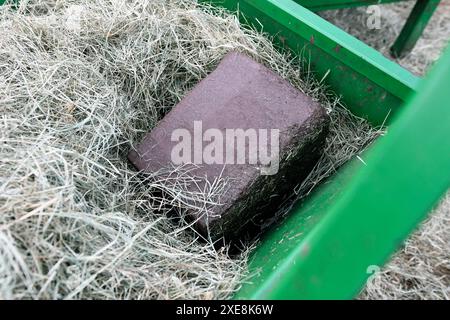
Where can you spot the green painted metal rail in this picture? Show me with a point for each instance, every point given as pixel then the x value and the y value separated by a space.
pixel 411 32
pixel 326 247
pixel 371 85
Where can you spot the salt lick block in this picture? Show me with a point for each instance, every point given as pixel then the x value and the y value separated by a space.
pixel 239 94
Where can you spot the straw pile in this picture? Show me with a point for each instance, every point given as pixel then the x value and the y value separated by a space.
pixel 80 83
pixel 421 269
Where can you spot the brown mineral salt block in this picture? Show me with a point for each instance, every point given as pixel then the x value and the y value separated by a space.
pixel 239 98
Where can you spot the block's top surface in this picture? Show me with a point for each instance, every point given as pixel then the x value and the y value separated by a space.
pixel 239 94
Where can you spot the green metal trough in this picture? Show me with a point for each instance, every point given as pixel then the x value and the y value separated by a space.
pixel 329 244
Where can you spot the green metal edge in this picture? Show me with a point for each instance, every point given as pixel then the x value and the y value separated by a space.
pixel 371 85
pixel 327 247
pixel 320 5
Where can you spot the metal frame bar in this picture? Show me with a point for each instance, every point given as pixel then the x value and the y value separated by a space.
pixel 321 5
pixel 411 32
pixel 331 244
pixel 414 26
pixel 328 244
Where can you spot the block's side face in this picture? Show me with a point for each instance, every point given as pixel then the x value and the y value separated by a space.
pixel 260 200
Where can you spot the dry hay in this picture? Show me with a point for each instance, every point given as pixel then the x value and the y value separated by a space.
pixel 80 83
pixel 421 269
